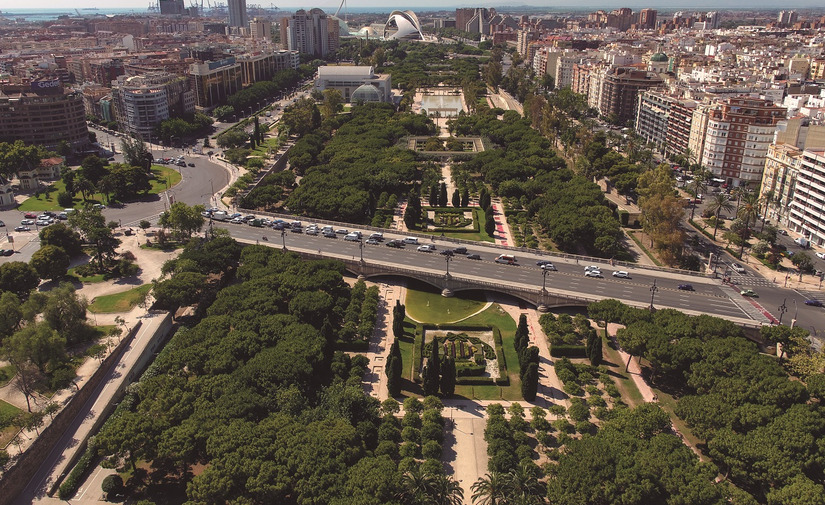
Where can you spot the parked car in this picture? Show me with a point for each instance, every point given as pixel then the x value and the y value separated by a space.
pixel 820 255
pixel 749 292
pixel 30 215
pixel 27 222
pixel 22 228
pixel 685 287
pixel 236 220
pixel 621 274
pixel 813 303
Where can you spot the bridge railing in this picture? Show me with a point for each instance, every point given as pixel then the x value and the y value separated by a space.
pixel 525 250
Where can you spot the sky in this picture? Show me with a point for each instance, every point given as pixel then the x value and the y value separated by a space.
pixel 424 4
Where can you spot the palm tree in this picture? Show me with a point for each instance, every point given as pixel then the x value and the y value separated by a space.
pixel 523 484
pixel 717 204
pixel 489 490
pixel 417 487
pixel 748 211
pixel 767 199
pixel 698 187
pixel 446 491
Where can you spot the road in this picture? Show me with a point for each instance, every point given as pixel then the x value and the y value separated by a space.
pixel 709 296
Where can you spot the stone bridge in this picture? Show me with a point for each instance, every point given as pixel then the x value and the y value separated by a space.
pixel 449 284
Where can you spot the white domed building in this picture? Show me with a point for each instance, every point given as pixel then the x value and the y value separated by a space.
pixel 403 25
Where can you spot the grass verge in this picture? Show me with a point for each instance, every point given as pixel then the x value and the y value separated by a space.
pixel 119 302
pixel 644 249
pixel 90 279
pixel 615 364
pixel 668 403
pixel 7 410
pixel 424 303
pixel 42 202
pixel 6 374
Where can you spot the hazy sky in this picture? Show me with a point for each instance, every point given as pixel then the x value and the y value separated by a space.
pixel 423 4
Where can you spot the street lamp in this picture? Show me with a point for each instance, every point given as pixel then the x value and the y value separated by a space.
pixel 653 290
pixel 782 309
pixel 283 238
pixel 448 259
pixel 795 309
pixel 361 249
pixel 543 280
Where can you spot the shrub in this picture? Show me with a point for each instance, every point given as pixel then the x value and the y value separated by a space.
pixel 112 486
pixel 408 450
pixel 573 389
pixel 431 450
pixel 410 434
pixel 568 351
pixel 70 485
pixel 64 199
pixel 612 390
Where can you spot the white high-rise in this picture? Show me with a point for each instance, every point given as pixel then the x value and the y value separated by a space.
pixel 237 13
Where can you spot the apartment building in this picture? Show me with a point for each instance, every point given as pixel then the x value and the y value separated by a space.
pixel 807 211
pixel 739 131
pixel 44 113
pixel 779 179
pixel 621 89
pixel 142 102
pixel 213 82
pixel 310 32
pixel 262 66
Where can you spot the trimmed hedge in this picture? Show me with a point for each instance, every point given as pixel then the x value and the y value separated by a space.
pixel 569 351
pixel 354 346
pixel 479 381
pixel 624 217
pixel 77 475
pixel 469 370
pixel 476 222
pixel 418 353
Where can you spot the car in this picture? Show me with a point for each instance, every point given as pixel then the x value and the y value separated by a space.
pixel 593 273
pixel 99 206
pixel 206 213
pixel 278 225
pixel 30 215
pixel 22 228
pixel 377 236
pixel 342 231
pixel 541 263
pixel 621 274
pixel 737 268
pixel 748 292
pixel 398 244
pixel 372 241
pixel 548 266
pixel 783 232
pixel 27 222
pixel 473 256
pixel 813 303
pixel 236 220
pixel 329 234
pixel 685 287
pixel 257 223
pixel 446 252
pixel 63 216
pixel 311 231
pixel 352 237
pixel 2 224
pixel 591 267
pixel 460 250
pixel 191 164
pixel 820 255
pixel 6 252
pixel 426 248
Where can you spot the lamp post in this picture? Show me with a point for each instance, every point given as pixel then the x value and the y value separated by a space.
pixel 653 290
pixel 782 309
pixel 283 238
pixel 795 310
pixel 543 280
pixel 361 249
pixel 448 259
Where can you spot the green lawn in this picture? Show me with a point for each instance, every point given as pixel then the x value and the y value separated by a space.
pixel 91 279
pixel 7 409
pixel 493 316
pixel 6 373
pixel 119 302
pixel 425 303
pixel 481 236
pixel 616 365
pixel 42 202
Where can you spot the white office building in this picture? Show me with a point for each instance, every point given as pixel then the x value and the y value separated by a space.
pixel 807 216
pixel 347 79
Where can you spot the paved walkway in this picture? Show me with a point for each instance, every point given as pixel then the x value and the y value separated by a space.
pixel 503 233
pixel 375 383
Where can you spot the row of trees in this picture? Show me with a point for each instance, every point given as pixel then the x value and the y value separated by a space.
pixel 183 127
pixel 394 365
pixel 437 373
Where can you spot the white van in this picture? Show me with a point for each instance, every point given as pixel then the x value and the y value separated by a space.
pixel 411 240
pixel 507 259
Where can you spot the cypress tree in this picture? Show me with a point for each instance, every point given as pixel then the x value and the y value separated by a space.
pixel 456 198
pixel 393 379
pixel 530 382
pixel 434 196
pixel 523 329
pixel 442 195
pixel 594 349
pixel 489 222
pixel 465 197
pixel 432 377
pixel 448 378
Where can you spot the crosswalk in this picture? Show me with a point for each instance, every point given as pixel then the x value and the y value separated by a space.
pixel 748 306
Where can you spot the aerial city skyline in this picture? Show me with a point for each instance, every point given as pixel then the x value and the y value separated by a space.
pixel 353 253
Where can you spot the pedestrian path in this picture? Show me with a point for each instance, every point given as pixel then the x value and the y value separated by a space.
pixel 503 234
pixel 749 306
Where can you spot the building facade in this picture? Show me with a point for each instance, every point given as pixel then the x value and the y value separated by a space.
pixel 141 102
pixel 620 91
pixel 807 212
pixel 237 13
pixel 779 180
pixel 309 32
pixel 263 66
pixel 213 82
pixel 347 79
pixel 42 113
pixel 739 132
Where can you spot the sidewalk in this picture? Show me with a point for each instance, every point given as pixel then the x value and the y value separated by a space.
pixel 503 234
pixel 375 383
